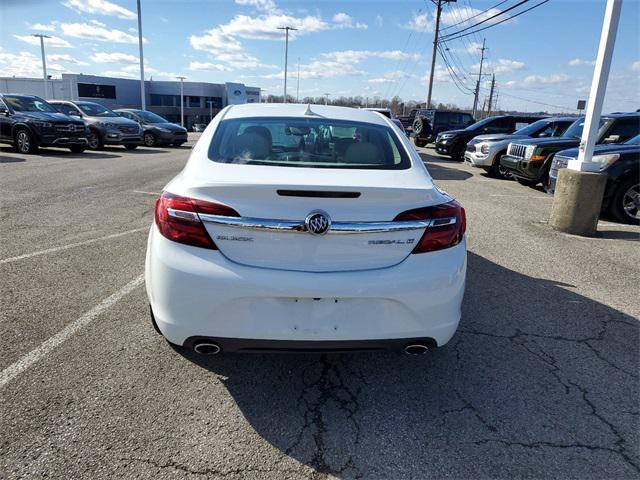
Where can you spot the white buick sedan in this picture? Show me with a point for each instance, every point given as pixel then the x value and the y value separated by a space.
pixel 312 228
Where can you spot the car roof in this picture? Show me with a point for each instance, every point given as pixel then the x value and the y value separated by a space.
pixel 299 110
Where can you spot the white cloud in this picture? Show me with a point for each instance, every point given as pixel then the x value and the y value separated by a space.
pixel 461 17
pixel 66 58
pixel 541 81
pixel 635 66
pixel 43 27
pixel 421 22
pixel 119 74
pixel 264 5
pixel 49 42
pixel 208 66
pixel 100 7
pixel 100 24
pixel 502 65
pixel 579 62
pixel 94 32
pixel 22 64
pixel 265 27
pixel 356 56
pixel 342 20
pixel 379 21
pixel 215 42
pixel 115 57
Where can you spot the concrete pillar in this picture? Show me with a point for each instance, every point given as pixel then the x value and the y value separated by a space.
pixel 576 207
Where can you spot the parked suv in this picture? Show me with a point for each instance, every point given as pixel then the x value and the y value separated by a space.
pixel 105 126
pixel 529 161
pixel 28 122
pixel 156 129
pixel 485 151
pixel 429 123
pixel 621 163
pixel 454 142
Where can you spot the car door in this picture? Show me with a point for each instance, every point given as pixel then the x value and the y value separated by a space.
pixel 5 122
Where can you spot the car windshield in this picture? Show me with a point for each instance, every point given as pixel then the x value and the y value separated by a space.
pixel 633 141
pixel 532 128
pixel 28 104
pixel 96 110
pixel 306 142
pixel 575 130
pixel 151 117
pixel 480 124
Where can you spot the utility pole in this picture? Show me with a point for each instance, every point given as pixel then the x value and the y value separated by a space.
pixel 181 100
pixel 326 98
pixel 298 83
pixel 44 63
pixel 142 94
pixel 210 102
pixel 286 56
pixel 493 85
pixel 435 47
pixel 475 99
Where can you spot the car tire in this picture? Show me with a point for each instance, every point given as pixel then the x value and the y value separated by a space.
pixel 498 171
pixel 625 202
pixel 177 145
pixel 419 142
pixel 150 140
pixel 95 140
pixel 24 141
pixel 130 147
pixel 457 152
pixel 77 148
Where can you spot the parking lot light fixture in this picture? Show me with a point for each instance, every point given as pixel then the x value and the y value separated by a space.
pixel 181 100
pixel 143 100
pixel 44 63
pixel 286 55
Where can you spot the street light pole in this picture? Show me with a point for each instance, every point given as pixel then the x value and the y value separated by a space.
pixel 181 100
pixel 298 83
pixel 210 102
pixel 326 98
pixel 286 56
pixel 44 63
pixel 142 93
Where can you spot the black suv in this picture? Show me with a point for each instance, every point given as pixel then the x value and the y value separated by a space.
pixel 454 142
pixel 427 124
pixel 28 122
pixel 529 161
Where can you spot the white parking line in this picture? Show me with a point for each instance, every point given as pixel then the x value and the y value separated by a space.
pixel 155 194
pixel 12 371
pixel 539 197
pixel 71 245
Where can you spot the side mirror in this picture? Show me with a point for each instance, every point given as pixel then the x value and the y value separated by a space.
pixel 612 139
pixel 543 134
pixel 4 111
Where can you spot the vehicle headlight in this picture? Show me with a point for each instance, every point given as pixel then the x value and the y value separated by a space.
pixel 447 135
pixel 484 148
pixel 605 160
pixel 107 124
pixel 529 151
pixel 43 124
pixel 164 130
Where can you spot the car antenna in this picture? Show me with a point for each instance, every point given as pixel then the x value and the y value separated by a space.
pixel 308 111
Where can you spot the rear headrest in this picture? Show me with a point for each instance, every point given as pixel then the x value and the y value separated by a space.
pixel 365 152
pixel 262 131
pixel 251 146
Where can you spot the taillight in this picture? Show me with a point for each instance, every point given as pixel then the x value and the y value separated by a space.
pixel 447 229
pixel 177 219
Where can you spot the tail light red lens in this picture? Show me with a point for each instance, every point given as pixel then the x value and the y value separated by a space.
pixel 437 237
pixel 177 219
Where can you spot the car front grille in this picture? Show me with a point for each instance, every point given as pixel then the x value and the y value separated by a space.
pixel 516 150
pixel 69 128
pixel 128 129
pixel 558 163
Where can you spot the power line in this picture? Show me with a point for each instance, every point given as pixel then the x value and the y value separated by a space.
pixel 451 37
pixel 476 15
pixel 502 12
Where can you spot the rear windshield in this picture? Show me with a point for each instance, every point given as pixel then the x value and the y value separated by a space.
pixel 307 142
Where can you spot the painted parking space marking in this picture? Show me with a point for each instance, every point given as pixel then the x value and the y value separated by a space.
pixel 155 194
pixel 70 245
pixel 12 371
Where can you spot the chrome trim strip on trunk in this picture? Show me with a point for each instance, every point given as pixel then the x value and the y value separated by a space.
pixel 291 226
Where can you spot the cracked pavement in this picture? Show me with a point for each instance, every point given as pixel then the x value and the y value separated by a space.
pixel 541 380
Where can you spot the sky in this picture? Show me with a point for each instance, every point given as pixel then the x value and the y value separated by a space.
pixel 542 60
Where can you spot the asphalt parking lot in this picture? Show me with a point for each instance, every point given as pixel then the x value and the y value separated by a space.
pixel 541 379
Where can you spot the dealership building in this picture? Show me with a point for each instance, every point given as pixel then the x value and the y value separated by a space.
pixel 201 100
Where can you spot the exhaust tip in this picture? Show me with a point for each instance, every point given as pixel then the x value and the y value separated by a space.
pixel 416 349
pixel 206 348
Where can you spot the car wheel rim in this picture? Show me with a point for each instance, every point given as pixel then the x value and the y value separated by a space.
pixel 504 172
pixel 23 142
pixel 93 141
pixel 631 202
pixel 148 140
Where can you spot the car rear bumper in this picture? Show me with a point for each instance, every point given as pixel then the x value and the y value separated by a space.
pixel 196 292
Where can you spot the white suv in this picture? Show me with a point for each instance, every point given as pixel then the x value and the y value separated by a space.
pixel 305 227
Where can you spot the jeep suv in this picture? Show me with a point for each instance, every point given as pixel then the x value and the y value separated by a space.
pixel 28 122
pixel 429 123
pixel 105 126
pixel 454 142
pixel 529 161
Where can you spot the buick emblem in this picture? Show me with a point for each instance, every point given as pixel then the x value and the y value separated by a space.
pixel 318 222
